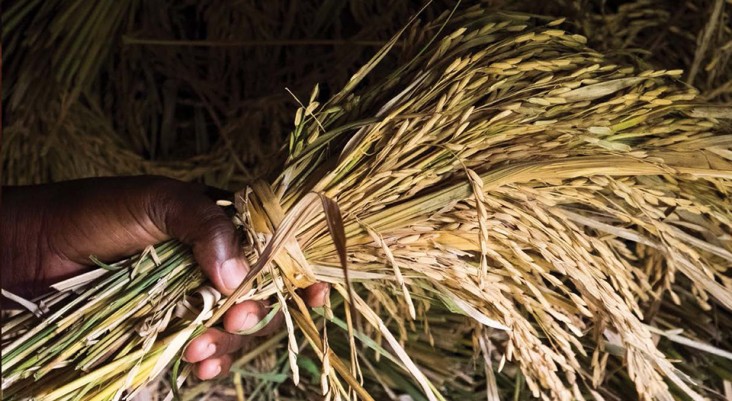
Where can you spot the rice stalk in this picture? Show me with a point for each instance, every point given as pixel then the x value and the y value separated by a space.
pixel 519 179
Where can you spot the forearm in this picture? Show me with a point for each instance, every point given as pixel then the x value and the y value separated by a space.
pixel 21 256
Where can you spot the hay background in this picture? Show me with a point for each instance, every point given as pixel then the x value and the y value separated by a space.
pixel 86 95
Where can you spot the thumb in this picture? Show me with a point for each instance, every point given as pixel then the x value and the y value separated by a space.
pixel 189 215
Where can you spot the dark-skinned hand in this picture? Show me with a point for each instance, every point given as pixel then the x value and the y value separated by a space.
pixel 49 231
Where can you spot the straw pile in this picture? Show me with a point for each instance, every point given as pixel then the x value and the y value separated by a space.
pixel 91 89
pixel 196 91
pixel 543 204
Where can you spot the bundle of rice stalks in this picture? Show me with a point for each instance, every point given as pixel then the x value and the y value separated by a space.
pixel 506 172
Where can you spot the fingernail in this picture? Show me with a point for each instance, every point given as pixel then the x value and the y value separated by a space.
pixel 217 371
pixel 233 273
pixel 210 350
pixel 250 320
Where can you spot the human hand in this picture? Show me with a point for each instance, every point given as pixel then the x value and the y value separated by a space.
pixel 49 231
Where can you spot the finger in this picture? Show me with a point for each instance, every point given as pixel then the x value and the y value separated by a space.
pixel 317 294
pixel 188 214
pixel 211 344
pixel 246 315
pixel 213 367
